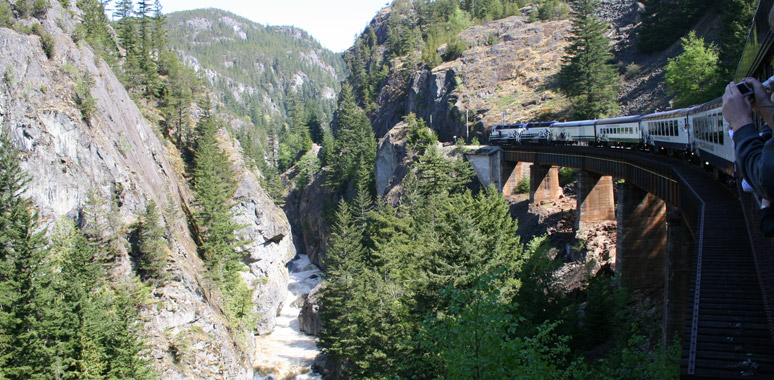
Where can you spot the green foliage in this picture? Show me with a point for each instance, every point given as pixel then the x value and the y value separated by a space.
pixel 6 14
pixel 454 49
pixel 586 75
pixel 355 142
pixel 420 137
pixel 59 317
pixel 693 76
pixel 151 253
pixel 522 187
pixel 567 175
pixel 307 167
pixel 737 16
pixel 473 339
pixel 82 96
pixel 39 8
pixel 632 70
pixel 95 30
pixel 47 43
pixel 550 10
pixel 664 22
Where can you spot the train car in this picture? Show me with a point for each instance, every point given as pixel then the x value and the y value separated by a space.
pixel 506 134
pixel 709 137
pixel 666 131
pixel 538 132
pixel 619 131
pixel 573 132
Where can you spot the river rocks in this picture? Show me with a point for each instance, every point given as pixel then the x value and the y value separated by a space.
pixel 309 316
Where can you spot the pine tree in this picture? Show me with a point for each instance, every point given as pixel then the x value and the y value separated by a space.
pixel 586 75
pixel 21 263
pixel 152 254
pixel 214 185
pixel 355 142
pixel 345 267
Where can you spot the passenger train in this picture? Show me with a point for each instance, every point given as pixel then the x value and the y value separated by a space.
pixel 697 133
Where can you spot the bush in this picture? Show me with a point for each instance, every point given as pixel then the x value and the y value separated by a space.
pixel 454 50
pixel 83 98
pixel 632 69
pixel 6 15
pixel 47 42
pixel 39 8
pixel 522 187
pixel 567 175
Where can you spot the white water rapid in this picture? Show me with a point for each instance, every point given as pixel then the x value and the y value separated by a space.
pixel 287 353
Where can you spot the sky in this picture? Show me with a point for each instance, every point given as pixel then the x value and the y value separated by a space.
pixel 334 23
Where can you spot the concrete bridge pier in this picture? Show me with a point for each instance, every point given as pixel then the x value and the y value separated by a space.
pixel 544 184
pixel 641 249
pixel 596 201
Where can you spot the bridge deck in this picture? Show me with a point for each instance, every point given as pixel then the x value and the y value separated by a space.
pixel 727 331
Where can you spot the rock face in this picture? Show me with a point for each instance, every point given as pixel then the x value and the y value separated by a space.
pixel 270 247
pixel 505 70
pixel 391 162
pixel 309 210
pixel 309 318
pixel 117 153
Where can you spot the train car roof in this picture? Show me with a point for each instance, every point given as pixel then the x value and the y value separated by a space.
pixel 514 125
pixel 578 123
pixel 537 124
pixel 620 120
pixel 712 104
pixel 666 114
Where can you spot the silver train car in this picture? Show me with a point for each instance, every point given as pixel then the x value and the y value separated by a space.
pixel 619 131
pixel 667 131
pixel 709 138
pixel 574 132
pixel 698 133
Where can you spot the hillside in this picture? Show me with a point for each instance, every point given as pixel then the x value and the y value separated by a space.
pixel 255 67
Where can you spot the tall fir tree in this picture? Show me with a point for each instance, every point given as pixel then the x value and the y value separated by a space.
pixel 22 262
pixel 587 76
pixel 355 141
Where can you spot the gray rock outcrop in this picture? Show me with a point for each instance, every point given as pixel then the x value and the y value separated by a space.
pixel 270 242
pixel 309 318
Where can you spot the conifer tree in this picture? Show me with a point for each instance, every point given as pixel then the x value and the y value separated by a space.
pixel 152 256
pixel 345 267
pixel 355 142
pixel 586 75
pixel 214 185
pixel 21 264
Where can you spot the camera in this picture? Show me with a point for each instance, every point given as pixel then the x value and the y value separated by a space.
pixel 744 88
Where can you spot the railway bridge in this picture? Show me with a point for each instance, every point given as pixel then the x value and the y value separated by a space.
pixel 680 233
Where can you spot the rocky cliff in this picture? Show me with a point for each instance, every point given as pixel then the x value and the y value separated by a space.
pixel 117 153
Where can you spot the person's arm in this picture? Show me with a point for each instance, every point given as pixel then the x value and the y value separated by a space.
pixel 756 159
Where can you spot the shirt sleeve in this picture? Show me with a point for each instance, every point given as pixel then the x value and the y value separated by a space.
pixel 756 159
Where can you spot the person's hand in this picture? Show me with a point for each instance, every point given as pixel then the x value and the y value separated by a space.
pixel 736 108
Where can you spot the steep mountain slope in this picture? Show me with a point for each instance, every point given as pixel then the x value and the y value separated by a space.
pixel 256 67
pixel 119 156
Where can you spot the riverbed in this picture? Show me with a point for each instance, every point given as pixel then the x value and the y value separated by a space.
pixel 288 353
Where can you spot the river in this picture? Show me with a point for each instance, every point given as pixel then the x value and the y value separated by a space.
pixel 287 353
